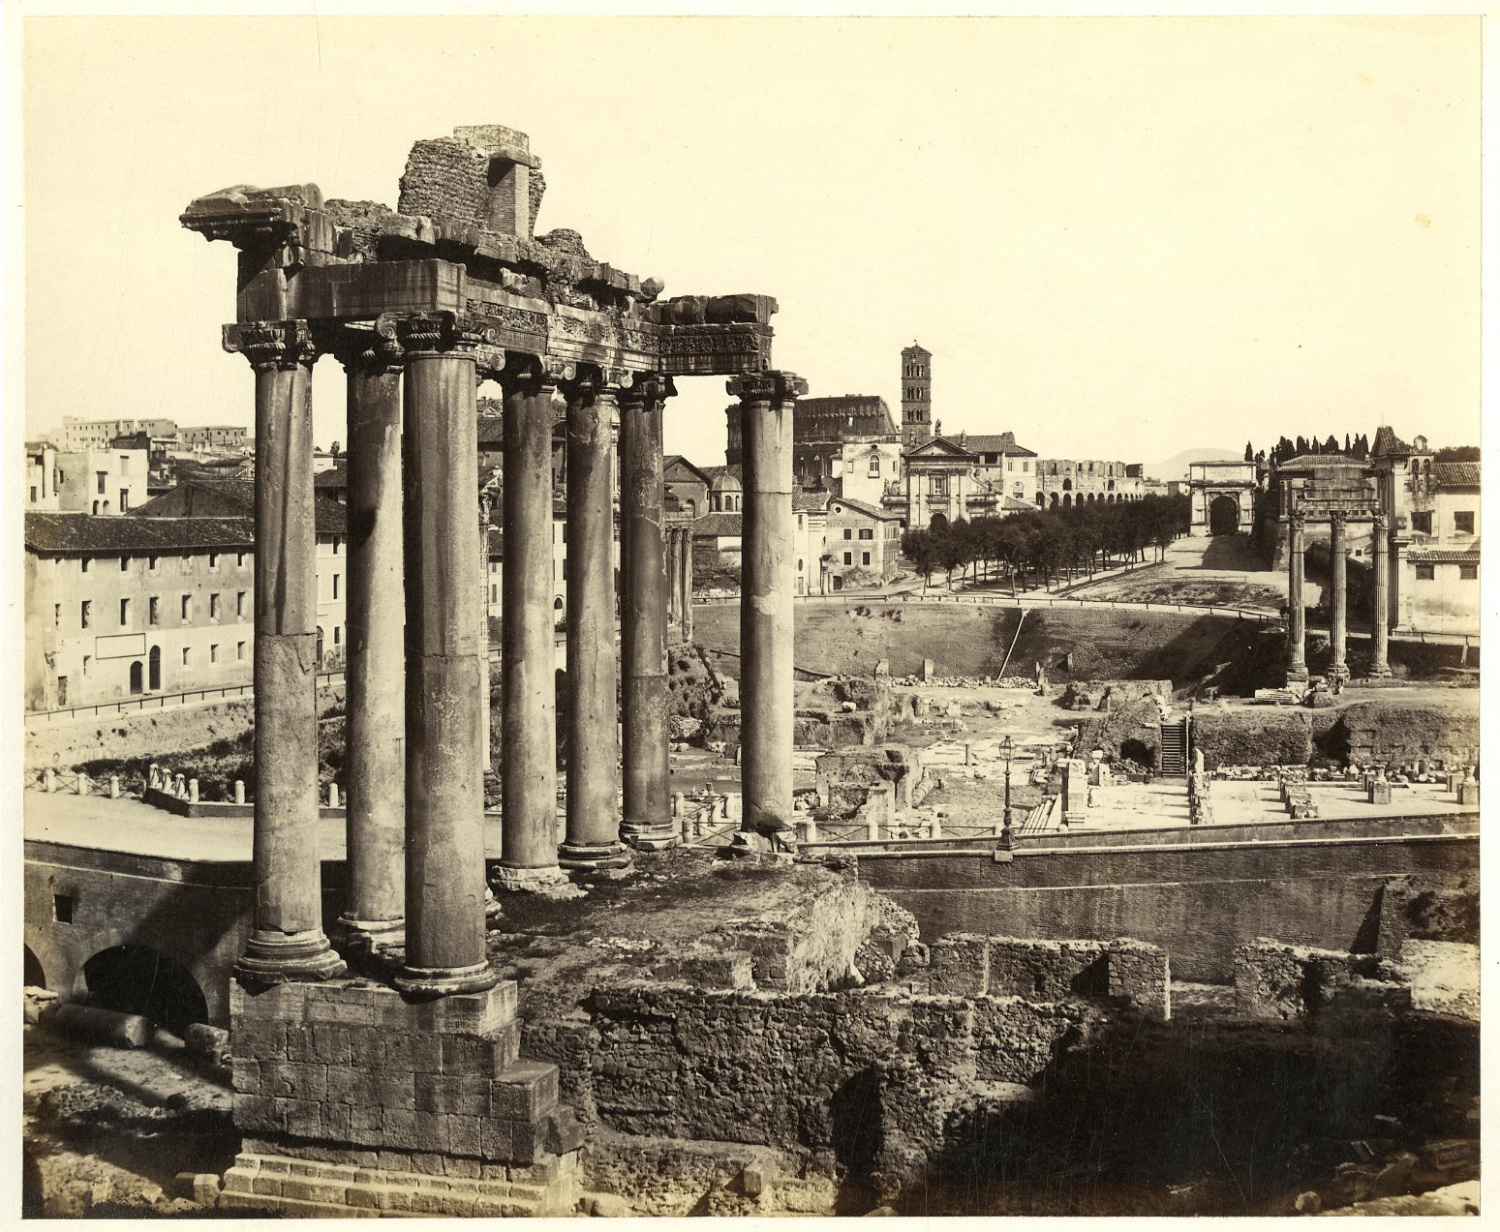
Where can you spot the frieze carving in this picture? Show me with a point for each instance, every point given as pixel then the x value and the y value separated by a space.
pixel 710 342
pixel 522 320
pixel 271 345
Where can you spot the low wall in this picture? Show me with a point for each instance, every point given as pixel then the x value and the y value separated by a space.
pixel 1198 902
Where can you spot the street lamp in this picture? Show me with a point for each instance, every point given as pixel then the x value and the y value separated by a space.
pixel 1007 836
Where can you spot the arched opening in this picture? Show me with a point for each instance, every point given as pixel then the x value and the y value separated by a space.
pixel 1067 501
pixel 318 653
pixel 1067 485
pixel 135 676
pixel 153 669
pixel 939 522
pixel 557 610
pixel 1223 515
pixel 1054 500
pixel 136 979
pixel 1040 499
pixel 32 974
pixel 1091 498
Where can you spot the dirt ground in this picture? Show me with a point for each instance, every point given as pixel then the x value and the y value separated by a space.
pixel 1223 569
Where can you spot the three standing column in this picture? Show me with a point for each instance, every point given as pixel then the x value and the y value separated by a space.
pixel 445 950
pixel 1296 664
pixel 768 582
pixel 1338 670
pixel 1380 617
pixel 593 833
pixel 287 941
pixel 528 734
pixel 647 820
pixel 375 778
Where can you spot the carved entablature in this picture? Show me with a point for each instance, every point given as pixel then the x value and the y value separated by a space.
pixel 236 213
pixel 711 350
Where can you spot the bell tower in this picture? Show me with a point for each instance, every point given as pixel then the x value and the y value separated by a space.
pixel 916 396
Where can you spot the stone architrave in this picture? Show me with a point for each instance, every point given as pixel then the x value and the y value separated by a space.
pixel 1338 670
pixel 445 648
pixel 528 733
pixel 593 826
pixel 287 941
pixel 767 590
pixel 1296 662
pixel 375 671
pixel 1380 614
pixel 647 820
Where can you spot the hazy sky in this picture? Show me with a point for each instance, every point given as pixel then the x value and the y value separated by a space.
pixel 1118 237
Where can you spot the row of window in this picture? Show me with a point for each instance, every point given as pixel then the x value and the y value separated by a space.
pixel 240 650
pixel 153 562
pixel 1463 522
pixel 849 558
pixel 865 532
pixel 1428 573
pixel 153 609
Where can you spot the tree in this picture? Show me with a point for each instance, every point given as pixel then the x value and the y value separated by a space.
pixel 1249 452
pixel 1457 453
pixel 920 547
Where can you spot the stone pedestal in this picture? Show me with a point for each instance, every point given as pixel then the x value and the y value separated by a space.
pixel 1468 794
pixel 287 941
pixel 528 734
pixel 593 834
pixel 1075 789
pixel 375 817
pixel 1338 670
pixel 1296 662
pixel 647 821
pixel 768 584
pixel 1379 793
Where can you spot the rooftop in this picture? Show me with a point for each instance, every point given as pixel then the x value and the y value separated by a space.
pixel 83 532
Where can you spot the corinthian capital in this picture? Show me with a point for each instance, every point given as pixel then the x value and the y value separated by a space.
pixel 1296 520
pixel 428 333
pixel 270 345
pixel 372 349
pixel 774 387
pixel 647 390
pixel 1337 518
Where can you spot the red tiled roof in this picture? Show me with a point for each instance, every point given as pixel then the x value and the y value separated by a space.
pixel 1456 474
pixel 83 532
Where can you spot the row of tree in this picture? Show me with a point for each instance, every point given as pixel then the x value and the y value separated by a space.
pixel 1048 544
pixel 1353 447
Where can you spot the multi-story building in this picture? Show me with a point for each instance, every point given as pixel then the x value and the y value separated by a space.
pixel 79 434
pixel 213 437
pixel 107 482
pixel 1062 482
pixel 687 483
pixel 863 543
pixel 820 429
pixel 869 469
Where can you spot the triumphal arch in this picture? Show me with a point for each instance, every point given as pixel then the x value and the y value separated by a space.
pixel 420 305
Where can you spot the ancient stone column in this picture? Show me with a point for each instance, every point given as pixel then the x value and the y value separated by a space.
pixel 484 624
pixel 643 625
pixel 1338 670
pixel 1296 659
pixel 287 941
pixel 528 732
pixel 767 585
pixel 375 727
pixel 686 585
pixel 1381 605
pixel 674 607
pixel 593 834
pixel 444 649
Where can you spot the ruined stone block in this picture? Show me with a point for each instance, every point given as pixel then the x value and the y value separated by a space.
pixel 294 1079
pixel 258 1038
pixel 525 1091
pixel 245 1075
pixel 258 1112
pixel 465 1134
pixel 302 1117
pixel 419 1053
pixel 959 965
pixel 394 1089
pixel 280 1003
pixel 480 1056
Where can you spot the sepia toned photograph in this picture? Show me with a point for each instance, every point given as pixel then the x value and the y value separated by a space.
pixel 649 614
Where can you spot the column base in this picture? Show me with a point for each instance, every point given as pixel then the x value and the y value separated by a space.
pixel 504 877
pixel 1297 673
pixel 369 936
pixel 1338 673
pixel 1380 671
pixel 491 904
pixel 651 838
pixel 587 856
pixel 279 958
pixel 444 981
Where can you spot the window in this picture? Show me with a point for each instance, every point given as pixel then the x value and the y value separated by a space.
pixel 336 579
pixel 83 565
pixel 239 604
pixel 848 558
pixel 124 564
pixel 62 908
pixel 85 614
pixel 1468 573
pixel 213 562
pixel 799 566
pixel 1421 523
pixel 124 612
pixel 866 533
pixel 1424 573
pixel 240 560
pixel 848 532
pixel 1025 464
pixel 33 494
pixel 103 477
pixel 124 500
pixel 57 615
pixel 153 611
pixel 1463 522
pixel 494 593
pixel 124 465
pixel 874 465
pixel 213 607
pixel 151 563
pixel 239 650
pixel 337 634
pixel 213 652
pixel 187 606
pixel 866 558
pixel 86 662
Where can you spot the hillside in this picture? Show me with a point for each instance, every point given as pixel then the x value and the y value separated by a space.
pixel 1176 466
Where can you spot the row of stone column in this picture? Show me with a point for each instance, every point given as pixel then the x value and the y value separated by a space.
pixel 418 738
pixel 1338 671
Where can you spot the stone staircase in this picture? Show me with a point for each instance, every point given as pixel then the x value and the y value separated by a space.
pixel 1174 750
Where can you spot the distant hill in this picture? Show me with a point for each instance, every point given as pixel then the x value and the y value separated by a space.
pixel 1176 467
